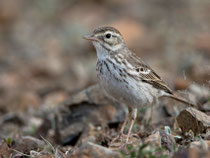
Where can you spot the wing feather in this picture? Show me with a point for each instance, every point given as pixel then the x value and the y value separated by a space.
pixel 147 74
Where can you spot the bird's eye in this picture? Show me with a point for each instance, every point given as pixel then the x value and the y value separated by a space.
pixel 108 35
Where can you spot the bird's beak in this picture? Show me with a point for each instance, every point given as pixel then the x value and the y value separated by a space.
pixel 90 37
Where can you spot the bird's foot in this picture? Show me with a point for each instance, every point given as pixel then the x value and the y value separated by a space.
pixel 122 140
pixel 119 138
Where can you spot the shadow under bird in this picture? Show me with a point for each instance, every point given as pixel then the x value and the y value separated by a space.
pixel 124 76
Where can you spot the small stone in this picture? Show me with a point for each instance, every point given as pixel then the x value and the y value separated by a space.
pixel 154 139
pixel 167 140
pixel 28 143
pixel 91 150
pixel 192 119
pixel 202 144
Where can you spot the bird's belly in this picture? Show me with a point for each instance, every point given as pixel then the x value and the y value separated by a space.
pixel 133 93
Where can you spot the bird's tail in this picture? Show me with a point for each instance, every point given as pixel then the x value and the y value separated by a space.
pixel 182 100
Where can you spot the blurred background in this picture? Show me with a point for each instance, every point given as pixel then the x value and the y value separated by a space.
pixel 44 60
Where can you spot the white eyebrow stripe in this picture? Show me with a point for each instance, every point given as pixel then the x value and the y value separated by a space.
pixel 112 33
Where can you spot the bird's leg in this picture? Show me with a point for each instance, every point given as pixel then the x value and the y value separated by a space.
pixel 133 118
pixel 122 129
pixel 150 117
pixel 123 125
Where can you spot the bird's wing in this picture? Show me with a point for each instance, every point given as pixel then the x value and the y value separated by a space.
pixel 147 74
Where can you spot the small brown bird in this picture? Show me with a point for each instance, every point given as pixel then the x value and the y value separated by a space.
pixel 124 76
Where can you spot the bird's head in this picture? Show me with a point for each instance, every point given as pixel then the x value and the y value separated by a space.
pixel 107 38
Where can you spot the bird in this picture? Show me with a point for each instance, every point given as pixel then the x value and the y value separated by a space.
pixel 125 76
